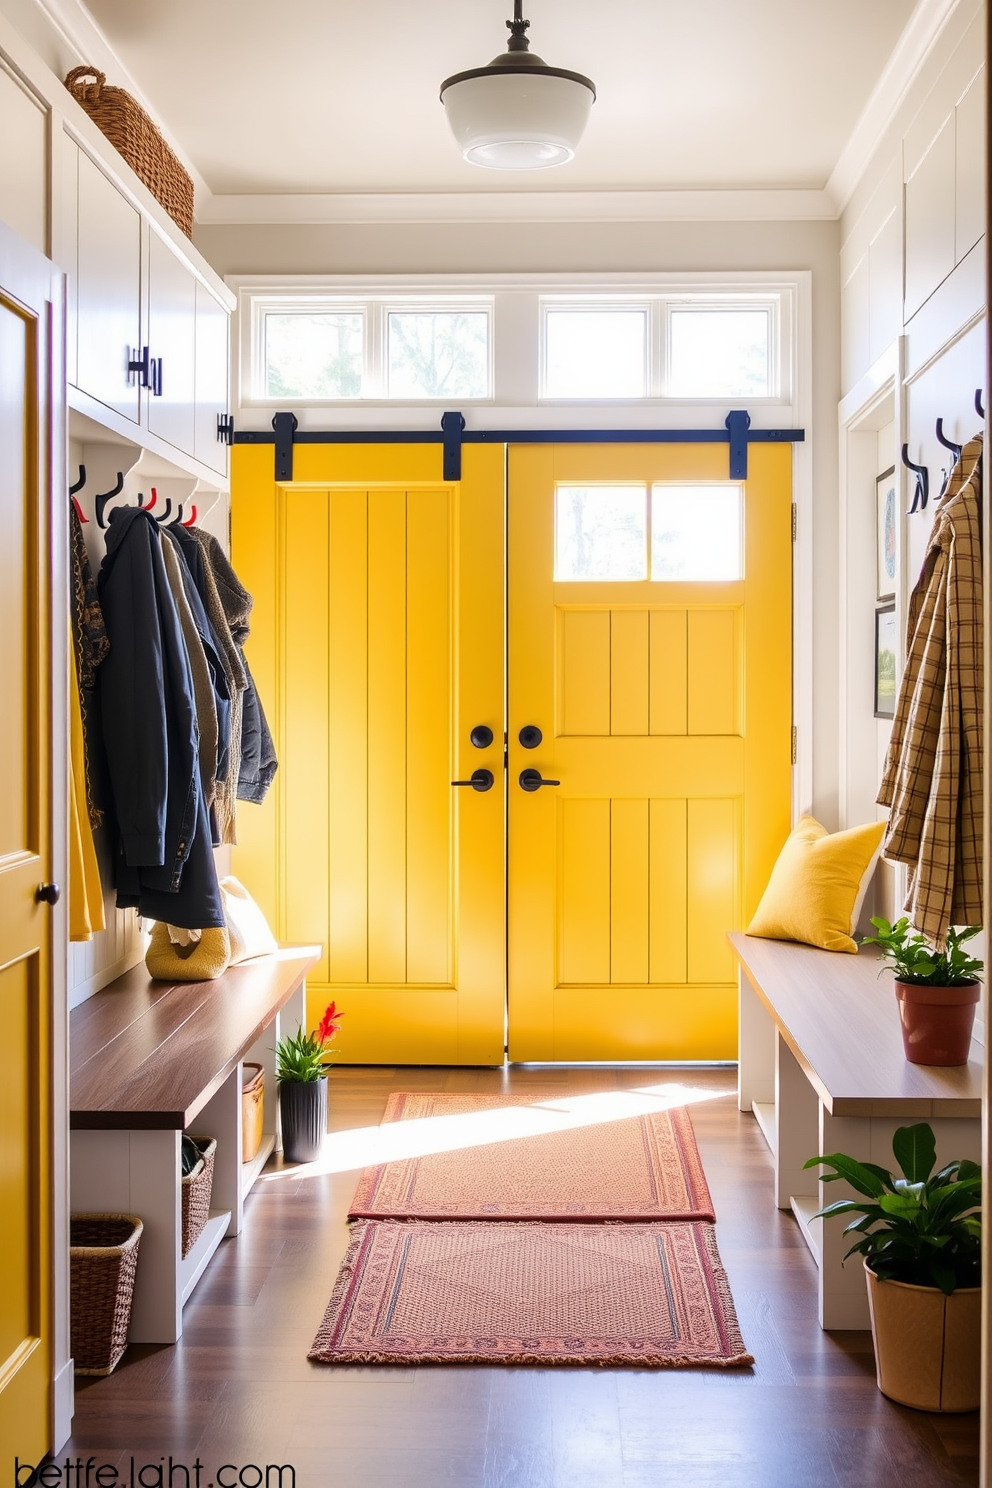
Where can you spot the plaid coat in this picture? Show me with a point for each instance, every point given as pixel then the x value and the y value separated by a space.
pixel 933 772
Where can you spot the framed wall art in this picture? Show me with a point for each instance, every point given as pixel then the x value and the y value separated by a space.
pixel 886 649
pixel 885 530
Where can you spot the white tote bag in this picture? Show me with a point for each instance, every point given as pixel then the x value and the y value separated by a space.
pixel 246 924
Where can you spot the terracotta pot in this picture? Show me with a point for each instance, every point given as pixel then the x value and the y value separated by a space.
pixel 937 1022
pixel 927 1345
pixel 303 1115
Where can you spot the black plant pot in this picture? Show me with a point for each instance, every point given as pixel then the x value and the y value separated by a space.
pixel 303 1111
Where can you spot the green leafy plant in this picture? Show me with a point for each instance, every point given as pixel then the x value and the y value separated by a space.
pixel 915 960
pixel 921 1229
pixel 304 1057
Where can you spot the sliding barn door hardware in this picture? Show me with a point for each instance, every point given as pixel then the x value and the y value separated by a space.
pixel 452 435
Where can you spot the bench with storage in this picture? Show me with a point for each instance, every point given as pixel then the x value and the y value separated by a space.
pixel 150 1060
pixel 821 1065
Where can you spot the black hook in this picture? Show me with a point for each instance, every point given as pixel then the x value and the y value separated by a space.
pixel 978 403
pixel 922 493
pixel 167 513
pixel 100 502
pixel 955 449
pixel 80 482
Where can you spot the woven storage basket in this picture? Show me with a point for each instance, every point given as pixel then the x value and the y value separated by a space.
pixel 252 1107
pixel 133 135
pixel 196 1188
pixel 103 1257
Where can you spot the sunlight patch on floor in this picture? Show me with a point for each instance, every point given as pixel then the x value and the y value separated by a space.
pixel 345 1151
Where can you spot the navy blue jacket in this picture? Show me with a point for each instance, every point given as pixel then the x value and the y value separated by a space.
pixel 163 864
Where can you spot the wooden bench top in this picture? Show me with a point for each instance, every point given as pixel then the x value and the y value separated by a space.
pixel 150 1054
pixel 841 1021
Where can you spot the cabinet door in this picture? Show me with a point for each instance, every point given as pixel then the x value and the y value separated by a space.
pixel 212 340
pixel 171 339
pixel 108 291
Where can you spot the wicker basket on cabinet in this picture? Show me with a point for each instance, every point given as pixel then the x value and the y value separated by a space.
pixel 103 1257
pixel 196 1189
pixel 133 135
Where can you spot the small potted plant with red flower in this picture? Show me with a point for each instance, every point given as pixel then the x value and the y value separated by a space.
pixel 302 1062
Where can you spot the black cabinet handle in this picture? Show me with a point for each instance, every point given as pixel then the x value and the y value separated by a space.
pixel 139 367
pixel 482 780
pixel 156 377
pixel 532 780
pixel 49 893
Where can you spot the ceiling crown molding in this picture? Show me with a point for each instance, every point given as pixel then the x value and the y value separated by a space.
pixel 908 58
pixel 397 208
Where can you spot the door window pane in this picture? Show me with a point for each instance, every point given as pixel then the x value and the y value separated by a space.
pixel 314 356
pixel 718 354
pixel 438 354
pixel 600 533
pixel 697 533
pixel 595 354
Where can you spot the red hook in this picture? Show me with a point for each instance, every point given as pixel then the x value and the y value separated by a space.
pixel 79 510
pixel 192 518
pixel 151 503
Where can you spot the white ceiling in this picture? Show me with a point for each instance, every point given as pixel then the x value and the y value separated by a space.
pixel 322 96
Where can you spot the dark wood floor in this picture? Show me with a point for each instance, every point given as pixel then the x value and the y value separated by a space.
pixel 238 1388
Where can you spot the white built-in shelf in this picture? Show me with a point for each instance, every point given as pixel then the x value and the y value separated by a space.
pixel 192 1266
pixel 804 1206
pixel 251 1169
pixel 764 1115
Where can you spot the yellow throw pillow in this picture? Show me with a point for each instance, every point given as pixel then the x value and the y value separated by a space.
pixel 818 885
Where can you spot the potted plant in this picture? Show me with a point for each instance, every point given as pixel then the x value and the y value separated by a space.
pixel 938 990
pixel 301 1075
pixel 921 1239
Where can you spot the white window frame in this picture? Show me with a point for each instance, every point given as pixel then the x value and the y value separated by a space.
pixel 375 372
pixel 658 309
pixel 514 303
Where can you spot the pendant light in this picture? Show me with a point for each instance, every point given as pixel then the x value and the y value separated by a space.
pixel 518 113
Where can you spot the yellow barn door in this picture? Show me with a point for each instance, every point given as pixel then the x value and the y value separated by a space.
pixel 31 400
pixel 649 671
pixel 377 646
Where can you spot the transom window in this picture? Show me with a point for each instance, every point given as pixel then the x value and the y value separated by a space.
pixel 660 348
pixel 691 533
pixel 517 343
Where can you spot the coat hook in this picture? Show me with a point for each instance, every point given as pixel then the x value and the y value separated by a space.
pixel 147 505
pixel 955 449
pixel 922 493
pixel 167 513
pixel 79 510
pixel 191 520
pixel 80 482
pixel 100 502
pixel 978 403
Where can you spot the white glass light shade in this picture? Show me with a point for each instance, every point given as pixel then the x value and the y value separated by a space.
pixel 517 120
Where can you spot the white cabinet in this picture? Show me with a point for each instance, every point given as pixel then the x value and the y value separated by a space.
pixel 24 168
pixel 108 292
pixel 149 338
pixel 213 334
pixel 171 345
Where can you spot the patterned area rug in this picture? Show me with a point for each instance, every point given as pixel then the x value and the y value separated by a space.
pixel 449 1293
pixel 635 1168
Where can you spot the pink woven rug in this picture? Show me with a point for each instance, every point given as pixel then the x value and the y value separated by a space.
pixel 636 1168
pixel 632 1294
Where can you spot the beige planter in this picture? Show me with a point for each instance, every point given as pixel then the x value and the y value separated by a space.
pixel 927 1345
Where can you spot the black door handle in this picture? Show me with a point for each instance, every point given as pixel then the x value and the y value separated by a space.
pixel 482 780
pixel 532 780
pixel 530 736
pixel 481 736
pixel 48 893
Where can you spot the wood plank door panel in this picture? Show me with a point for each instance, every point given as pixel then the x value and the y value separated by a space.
pixel 665 709
pixel 378 640
pixel 31 406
